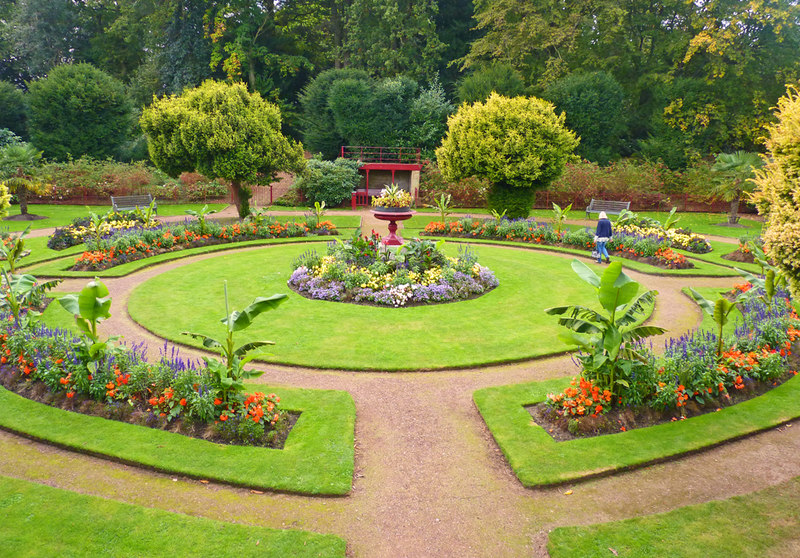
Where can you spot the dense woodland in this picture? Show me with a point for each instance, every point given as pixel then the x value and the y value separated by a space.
pixel 667 80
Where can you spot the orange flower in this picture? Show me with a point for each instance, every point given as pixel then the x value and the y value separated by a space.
pixel 183 402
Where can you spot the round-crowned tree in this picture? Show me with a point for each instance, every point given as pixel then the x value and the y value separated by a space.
pixel 778 194
pixel 518 144
pixel 12 116
pixel 78 110
pixel 222 131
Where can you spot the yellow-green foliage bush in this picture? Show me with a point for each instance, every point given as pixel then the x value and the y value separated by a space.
pixel 5 199
pixel 518 144
pixel 221 131
pixel 778 196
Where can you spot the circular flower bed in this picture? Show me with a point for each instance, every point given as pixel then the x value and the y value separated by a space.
pixel 365 271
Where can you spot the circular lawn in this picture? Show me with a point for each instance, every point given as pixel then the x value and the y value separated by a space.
pixel 506 324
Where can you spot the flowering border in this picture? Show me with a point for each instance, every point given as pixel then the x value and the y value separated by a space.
pixel 326 423
pixel 538 460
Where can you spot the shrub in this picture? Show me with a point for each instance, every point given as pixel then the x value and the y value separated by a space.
pixel 593 104
pixel 12 116
pixel 469 191
pixel 330 182
pixel 497 77
pixel 778 185
pixel 516 202
pixel 78 110
pixel 512 142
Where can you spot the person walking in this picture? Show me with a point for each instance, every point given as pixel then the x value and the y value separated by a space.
pixel 601 236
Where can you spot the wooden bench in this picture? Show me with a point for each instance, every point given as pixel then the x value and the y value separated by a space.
pixel 130 203
pixel 613 207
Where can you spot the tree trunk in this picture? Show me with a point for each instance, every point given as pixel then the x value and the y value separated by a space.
pixel 733 218
pixel 240 196
pixel 22 197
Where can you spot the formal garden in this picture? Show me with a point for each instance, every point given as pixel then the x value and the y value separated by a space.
pixel 309 279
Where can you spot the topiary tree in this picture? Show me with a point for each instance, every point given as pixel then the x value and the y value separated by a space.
pixel 519 144
pixel 79 110
pixel 778 194
pixel 221 131
pixel 12 115
pixel 594 107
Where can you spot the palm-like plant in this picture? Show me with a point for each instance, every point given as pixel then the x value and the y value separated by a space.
pixel 560 216
pixel 17 165
pixel 735 171
pixel 608 339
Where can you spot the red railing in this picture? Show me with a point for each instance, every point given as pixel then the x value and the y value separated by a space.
pixel 396 155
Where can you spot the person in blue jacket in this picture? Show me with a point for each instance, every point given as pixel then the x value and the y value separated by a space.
pixel 601 236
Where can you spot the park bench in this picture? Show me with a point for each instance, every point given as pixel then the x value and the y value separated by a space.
pixel 613 207
pixel 130 203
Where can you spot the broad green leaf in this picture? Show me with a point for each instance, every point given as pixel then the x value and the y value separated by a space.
pixel 242 320
pixel 642 332
pixel 586 273
pixel 612 339
pixel 247 347
pixel 70 304
pixel 208 342
pixel 721 310
pixel 94 301
pixel 703 302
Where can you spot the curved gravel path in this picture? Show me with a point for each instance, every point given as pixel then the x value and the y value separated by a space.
pixel 430 481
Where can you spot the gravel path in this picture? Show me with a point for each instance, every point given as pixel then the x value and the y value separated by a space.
pixel 430 481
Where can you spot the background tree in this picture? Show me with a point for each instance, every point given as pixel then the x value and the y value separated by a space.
pixel 221 131
pixel 12 115
pixel 392 37
pixel 79 110
pixel 594 107
pixel 18 165
pixel 778 186
pixel 735 170
pixel 499 77
pixel 519 144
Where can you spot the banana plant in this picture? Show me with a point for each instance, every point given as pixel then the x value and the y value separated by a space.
pixel 443 205
pixel 671 220
pixel 201 217
pixel 145 214
pixel 14 250
pixel 318 212
pixel 499 216
pixel 560 216
pixel 91 307
pixel 719 310
pixel 20 291
pixel 230 373
pixel 606 338
pixel 770 283
pixel 96 226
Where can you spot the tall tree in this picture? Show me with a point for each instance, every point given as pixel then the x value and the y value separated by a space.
pixel 392 37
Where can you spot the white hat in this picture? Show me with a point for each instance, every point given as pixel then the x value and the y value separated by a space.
pixel 602 215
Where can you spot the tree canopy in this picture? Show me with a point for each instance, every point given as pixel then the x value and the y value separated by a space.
pixel 222 131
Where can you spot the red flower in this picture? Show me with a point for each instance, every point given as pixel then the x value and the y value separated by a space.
pixel 183 402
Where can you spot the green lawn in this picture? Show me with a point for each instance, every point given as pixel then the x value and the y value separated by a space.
pixel 503 325
pixel 43 521
pixel 538 460
pixel 719 249
pixel 60 215
pixel 316 459
pixel 764 523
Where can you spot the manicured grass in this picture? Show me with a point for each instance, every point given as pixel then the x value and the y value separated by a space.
pixel 503 325
pixel 538 460
pixel 60 267
pixel 40 520
pixel 709 223
pixel 316 459
pixel 41 253
pixel 764 523
pixel 720 249
pixel 60 215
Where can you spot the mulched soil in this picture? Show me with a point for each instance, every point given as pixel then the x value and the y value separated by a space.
pixel 563 429
pixel 740 257
pixel 11 379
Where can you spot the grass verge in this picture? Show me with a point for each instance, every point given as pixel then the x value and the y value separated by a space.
pixel 44 521
pixel 711 530
pixel 504 325
pixel 317 457
pixel 538 460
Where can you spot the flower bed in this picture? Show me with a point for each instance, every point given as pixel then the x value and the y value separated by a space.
pixel 653 249
pixel 677 238
pixel 126 246
pixel 48 366
pixel 364 271
pixel 81 228
pixel 689 379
